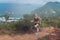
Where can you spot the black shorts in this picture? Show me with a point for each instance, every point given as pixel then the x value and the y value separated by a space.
pixel 36 23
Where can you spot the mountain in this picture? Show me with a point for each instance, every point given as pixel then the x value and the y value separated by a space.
pixel 17 9
pixel 50 9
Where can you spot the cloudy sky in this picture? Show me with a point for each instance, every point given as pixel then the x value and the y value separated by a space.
pixel 27 1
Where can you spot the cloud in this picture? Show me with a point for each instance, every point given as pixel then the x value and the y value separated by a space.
pixel 28 1
pixel 7 1
pixel 32 1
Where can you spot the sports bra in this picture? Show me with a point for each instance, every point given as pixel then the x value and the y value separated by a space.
pixel 36 19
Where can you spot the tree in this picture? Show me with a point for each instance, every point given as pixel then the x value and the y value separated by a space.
pixel 6 17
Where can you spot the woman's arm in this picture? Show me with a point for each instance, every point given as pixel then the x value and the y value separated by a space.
pixel 32 20
pixel 40 20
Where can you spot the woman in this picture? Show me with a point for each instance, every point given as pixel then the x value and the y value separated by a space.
pixel 36 21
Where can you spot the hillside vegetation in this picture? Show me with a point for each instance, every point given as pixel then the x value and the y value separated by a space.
pixel 24 25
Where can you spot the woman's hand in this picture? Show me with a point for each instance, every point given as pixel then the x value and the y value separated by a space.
pixel 36 25
pixel 32 21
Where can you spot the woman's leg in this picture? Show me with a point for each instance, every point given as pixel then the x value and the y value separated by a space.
pixel 37 29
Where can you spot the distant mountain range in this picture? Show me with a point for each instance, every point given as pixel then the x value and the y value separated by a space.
pixel 17 9
pixel 51 9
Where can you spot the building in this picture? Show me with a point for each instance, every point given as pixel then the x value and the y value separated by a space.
pixel 11 19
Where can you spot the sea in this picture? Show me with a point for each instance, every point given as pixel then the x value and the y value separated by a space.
pixel 17 10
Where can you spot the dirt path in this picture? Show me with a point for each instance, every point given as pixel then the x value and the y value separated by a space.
pixel 22 37
pixel 41 34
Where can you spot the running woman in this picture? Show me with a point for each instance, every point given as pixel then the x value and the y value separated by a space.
pixel 36 21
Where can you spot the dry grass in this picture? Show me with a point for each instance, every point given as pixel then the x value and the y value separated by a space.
pixel 44 32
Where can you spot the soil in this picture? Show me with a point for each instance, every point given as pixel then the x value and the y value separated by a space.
pixel 42 33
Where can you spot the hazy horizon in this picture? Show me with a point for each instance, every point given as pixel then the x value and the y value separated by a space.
pixel 18 7
pixel 41 2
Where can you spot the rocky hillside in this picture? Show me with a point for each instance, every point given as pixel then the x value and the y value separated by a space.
pixel 51 9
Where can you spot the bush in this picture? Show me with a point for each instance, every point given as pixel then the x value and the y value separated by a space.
pixel 6 28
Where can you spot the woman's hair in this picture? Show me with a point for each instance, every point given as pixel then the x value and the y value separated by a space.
pixel 35 15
